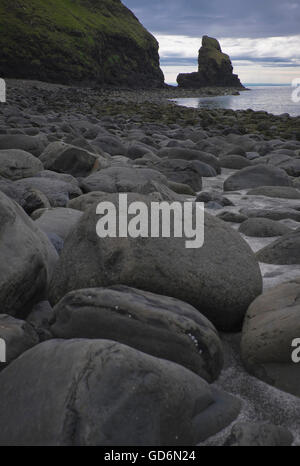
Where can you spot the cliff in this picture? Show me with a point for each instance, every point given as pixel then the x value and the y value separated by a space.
pixel 214 68
pixel 77 41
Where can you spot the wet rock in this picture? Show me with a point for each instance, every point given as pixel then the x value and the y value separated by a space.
pixel 258 175
pixel 158 325
pixel 16 164
pixel 27 260
pixel 271 324
pixel 18 335
pixel 263 227
pixel 164 266
pixel 100 392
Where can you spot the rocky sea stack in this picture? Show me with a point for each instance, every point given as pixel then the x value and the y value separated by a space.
pixel 77 41
pixel 214 68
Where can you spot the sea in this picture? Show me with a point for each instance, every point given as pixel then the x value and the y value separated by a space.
pixel 275 99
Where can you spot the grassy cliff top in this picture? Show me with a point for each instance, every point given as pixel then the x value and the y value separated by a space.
pixel 78 17
pixel 65 40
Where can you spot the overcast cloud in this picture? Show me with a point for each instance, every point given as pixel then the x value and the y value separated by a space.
pixel 261 36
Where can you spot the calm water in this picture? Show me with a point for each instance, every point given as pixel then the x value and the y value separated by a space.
pixel 272 99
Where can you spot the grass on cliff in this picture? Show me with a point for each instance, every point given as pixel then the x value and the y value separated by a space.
pixel 69 28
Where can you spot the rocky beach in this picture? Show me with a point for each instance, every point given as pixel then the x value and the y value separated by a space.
pixel 120 323
pixel 138 339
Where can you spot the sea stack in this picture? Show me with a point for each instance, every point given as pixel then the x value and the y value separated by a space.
pixel 214 68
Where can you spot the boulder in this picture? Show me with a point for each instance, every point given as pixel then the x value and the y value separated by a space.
pixel 16 164
pixel 214 68
pixel 100 393
pixel 58 192
pixel 191 154
pixel 271 324
pixel 263 227
pixel 158 325
pixel 59 220
pixel 27 260
pixel 123 179
pixel 272 214
pixel 32 144
pixel 285 250
pixel 258 175
pixel 185 172
pixel 199 276
pixel 235 162
pixel 18 335
pixel 232 217
pixel 65 158
pixel 40 318
pixel 282 192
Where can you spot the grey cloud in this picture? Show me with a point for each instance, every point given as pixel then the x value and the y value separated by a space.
pixel 219 18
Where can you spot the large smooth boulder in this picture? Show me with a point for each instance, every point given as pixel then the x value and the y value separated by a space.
pixel 57 220
pixel 32 144
pixel 58 192
pixel 27 260
pixel 283 192
pixel 123 179
pixel 191 154
pixel 234 161
pixel 158 325
pixel 103 393
pixel 285 250
pixel 272 214
pixel 258 175
pixel 186 171
pixel 220 279
pixel 18 335
pixel 65 158
pixel 16 164
pixel 263 227
pixel 271 324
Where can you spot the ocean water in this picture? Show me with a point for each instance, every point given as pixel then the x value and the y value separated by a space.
pixel 272 99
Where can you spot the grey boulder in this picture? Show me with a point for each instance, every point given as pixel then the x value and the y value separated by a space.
pixel 263 227
pixel 258 175
pixel 271 325
pixel 285 250
pixel 16 164
pixel 27 260
pixel 103 393
pixel 18 335
pixel 220 279
pixel 158 325
pixel 32 144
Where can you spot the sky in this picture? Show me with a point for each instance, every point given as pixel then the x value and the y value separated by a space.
pixel 262 37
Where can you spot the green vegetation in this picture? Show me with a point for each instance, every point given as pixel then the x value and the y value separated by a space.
pixel 72 40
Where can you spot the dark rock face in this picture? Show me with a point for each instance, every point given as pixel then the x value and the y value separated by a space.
pixel 90 41
pixel 100 392
pixel 214 68
pixel 158 325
